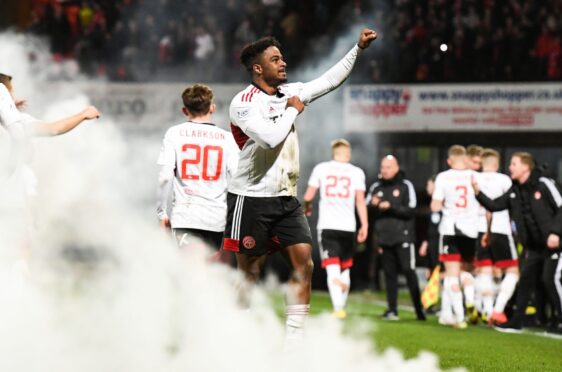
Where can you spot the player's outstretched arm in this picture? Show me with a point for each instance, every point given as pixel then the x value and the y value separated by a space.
pixel 494 205
pixel 336 75
pixel 67 124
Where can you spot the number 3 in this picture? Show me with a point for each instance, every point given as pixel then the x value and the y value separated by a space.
pixel 463 200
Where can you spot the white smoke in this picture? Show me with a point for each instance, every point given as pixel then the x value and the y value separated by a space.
pixel 96 286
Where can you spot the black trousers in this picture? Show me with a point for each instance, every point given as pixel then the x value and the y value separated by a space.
pixel 540 268
pixel 552 279
pixel 400 258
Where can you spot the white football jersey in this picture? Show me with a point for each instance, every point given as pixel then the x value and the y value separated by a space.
pixel 205 158
pixel 263 171
pixel 493 185
pixel 338 183
pixel 460 209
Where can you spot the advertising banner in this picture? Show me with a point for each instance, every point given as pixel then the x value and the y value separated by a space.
pixel 467 107
pixel 153 107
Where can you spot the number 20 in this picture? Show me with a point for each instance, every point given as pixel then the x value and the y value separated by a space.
pixel 196 160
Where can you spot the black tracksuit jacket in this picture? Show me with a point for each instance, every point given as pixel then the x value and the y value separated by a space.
pixel 395 225
pixel 534 206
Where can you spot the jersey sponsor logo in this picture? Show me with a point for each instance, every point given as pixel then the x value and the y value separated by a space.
pixel 271 109
pixel 249 242
pixel 512 195
pixel 396 193
pixel 242 114
pixel 537 195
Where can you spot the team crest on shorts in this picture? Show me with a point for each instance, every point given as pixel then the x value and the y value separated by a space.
pixel 537 195
pixel 396 193
pixel 249 242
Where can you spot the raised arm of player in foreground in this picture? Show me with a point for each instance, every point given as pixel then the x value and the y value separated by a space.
pixel 20 126
pixel 65 125
pixel 248 118
pixel 336 75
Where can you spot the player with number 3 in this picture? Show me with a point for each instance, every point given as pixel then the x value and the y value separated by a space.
pixel 458 231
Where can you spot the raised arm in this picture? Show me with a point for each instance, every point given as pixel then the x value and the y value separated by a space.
pixel 65 125
pixel 336 75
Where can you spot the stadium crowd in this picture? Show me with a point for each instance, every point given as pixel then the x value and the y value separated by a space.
pixel 485 40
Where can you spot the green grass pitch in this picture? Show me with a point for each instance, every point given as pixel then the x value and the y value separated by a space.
pixel 478 348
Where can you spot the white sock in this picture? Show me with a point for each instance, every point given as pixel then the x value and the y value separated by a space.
pixel 485 286
pixel 346 279
pixel 467 281
pixel 456 296
pixel 446 305
pixel 507 287
pixel 296 317
pixel 477 296
pixel 333 273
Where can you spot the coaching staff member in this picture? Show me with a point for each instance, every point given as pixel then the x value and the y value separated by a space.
pixel 392 201
pixel 535 205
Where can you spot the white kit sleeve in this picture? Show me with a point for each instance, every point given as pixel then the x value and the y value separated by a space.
pixel 331 79
pixel 267 135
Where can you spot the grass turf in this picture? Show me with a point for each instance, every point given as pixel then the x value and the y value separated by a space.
pixel 478 348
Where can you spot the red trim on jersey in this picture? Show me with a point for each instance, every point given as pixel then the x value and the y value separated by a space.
pixel 346 264
pixel 232 245
pixel 450 257
pixel 483 263
pixel 247 97
pixel 502 264
pixel 330 261
pixel 239 136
